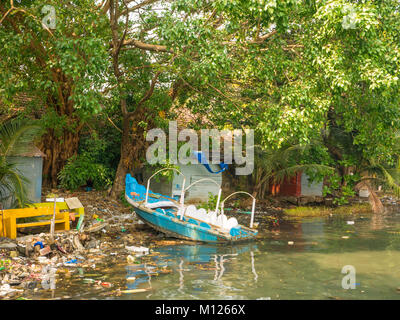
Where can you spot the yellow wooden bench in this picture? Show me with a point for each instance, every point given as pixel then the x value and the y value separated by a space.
pixel 60 206
pixel 2 232
pixel 10 217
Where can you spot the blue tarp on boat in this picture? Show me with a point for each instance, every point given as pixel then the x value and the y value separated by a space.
pixel 131 185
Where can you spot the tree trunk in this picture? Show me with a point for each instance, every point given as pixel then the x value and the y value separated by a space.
pixel 57 150
pixel 123 165
pixel 133 150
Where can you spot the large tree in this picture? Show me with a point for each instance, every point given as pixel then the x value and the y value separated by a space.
pixel 297 71
pixel 162 50
pixel 55 53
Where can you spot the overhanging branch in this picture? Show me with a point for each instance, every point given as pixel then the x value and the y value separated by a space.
pixel 146 46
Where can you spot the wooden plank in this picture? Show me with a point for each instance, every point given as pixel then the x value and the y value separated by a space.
pixel 38 223
pixel 60 205
pixel 57 200
pixel 66 221
pixel 73 203
pixel 12 228
pixel 29 212
pixel 79 211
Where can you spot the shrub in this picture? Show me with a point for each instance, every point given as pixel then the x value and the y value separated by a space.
pixel 82 171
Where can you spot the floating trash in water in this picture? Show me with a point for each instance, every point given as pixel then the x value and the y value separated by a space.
pixel 345 237
pixel 106 284
pixel 130 259
pixel 350 222
pixel 88 280
pixel 138 249
pixel 134 290
pixel 290 243
pixel 6 289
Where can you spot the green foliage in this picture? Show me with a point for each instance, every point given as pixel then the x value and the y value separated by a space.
pixel 211 202
pixel 341 192
pixel 101 146
pixel 274 165
pixel 325 211
pixel 124 201
pixel 81 171
pixel 296 71
pixel 73 53
pixel 92 167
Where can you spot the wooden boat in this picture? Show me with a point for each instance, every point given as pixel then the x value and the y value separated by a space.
pixel 178 220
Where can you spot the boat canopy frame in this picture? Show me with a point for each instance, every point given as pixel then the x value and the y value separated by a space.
pixel 183 190
pixel 253 208
pixel 183 185
pixel 219 192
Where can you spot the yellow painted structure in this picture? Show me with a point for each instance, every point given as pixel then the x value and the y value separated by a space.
pixel 9 224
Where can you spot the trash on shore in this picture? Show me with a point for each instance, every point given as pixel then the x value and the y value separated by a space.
pixel 96 227
pixel 143 250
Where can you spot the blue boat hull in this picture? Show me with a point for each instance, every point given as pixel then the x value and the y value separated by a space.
pixel 185 230
pixel 168 222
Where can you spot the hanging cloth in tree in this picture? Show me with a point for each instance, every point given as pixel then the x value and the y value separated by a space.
pixel 202 159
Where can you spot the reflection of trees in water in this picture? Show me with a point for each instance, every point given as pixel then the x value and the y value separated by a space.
pixel 253 269
pixel 219 263
pixel 378 221
pixel 208 257
pixel 285 271
pixel 181 276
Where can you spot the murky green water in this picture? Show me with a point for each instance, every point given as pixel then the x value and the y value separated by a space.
pixel 266 269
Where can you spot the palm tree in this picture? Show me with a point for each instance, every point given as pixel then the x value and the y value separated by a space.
pixel 371 171
pixel 375 172
pixel 276 165
pixel 16 136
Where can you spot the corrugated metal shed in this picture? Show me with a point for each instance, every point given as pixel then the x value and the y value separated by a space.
pixel 297 186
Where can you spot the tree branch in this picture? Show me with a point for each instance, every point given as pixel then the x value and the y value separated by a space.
pixel 138 6
pixel 146 46
pixel 151 89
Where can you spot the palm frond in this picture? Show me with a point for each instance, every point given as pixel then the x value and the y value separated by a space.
pixel 12 185
pixel 16 136
pixel 391 182
pixel 279 176
pixel 283 163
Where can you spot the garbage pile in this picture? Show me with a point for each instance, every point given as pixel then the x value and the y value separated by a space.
pixel 389 200
pixel 35 261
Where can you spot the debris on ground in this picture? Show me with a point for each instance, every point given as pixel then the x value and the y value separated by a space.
pixel 34 261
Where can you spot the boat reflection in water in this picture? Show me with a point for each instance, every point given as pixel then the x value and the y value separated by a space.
pixel 189 260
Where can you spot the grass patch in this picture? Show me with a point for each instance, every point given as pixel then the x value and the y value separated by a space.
pixel 324 211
